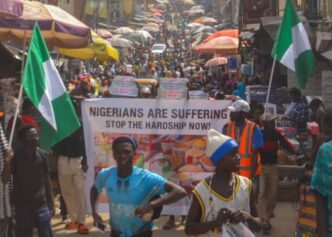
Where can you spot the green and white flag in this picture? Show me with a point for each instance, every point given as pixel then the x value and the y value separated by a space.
pixel 44 87
pixel 292 47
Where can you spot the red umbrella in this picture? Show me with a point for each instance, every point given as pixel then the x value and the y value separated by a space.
pixel 222 45
pixel 229 33
pixel 216 62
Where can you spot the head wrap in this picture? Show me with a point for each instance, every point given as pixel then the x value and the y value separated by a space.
pixel 219 145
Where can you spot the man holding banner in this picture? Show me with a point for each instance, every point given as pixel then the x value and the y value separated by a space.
pixel 131 193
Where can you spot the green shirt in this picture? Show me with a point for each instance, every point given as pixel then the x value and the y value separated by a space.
pixel 322 177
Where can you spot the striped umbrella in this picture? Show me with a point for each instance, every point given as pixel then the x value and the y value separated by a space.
pixel 58 27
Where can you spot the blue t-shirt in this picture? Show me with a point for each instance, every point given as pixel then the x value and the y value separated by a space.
pixel 126 195
pixel 321 180
pixel 257 140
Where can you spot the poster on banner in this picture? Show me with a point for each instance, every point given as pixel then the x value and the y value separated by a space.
pixel 171 137
pixel 124 86
pixel 173 88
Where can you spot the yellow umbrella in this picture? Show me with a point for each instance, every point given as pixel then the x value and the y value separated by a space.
pixel 99 48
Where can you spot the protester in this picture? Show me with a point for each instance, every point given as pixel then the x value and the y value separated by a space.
pixel 249 137
pixel 72 166
pixel 317 111
pixel 268 179
pixel 30 173
pixel 26 116
pixel 224 198
pixel 129 190
pixel 256 110
pixel 297 112
pixel 6 209
pixel 321 180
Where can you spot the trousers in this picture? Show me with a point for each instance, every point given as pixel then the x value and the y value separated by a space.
pixel 268 188
pixel 27 219
pixel 72 179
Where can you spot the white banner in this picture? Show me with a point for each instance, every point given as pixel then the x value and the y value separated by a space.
pixel 171 136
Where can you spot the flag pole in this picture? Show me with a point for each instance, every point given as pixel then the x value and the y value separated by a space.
pixel 20 95
pixel 270 83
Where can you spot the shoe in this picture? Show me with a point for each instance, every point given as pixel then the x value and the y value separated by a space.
pixel 170 224
pixel 71 225
pixel 82 229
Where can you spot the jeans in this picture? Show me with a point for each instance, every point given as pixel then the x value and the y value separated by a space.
pixel 26 220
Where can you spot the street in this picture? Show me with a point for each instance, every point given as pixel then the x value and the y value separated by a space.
pixel 283 225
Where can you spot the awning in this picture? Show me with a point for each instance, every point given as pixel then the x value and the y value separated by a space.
pixel 271 26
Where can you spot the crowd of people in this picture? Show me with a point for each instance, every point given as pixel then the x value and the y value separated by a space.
pixel 241 193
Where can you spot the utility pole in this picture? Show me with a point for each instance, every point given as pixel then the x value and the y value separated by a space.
pixel 108 14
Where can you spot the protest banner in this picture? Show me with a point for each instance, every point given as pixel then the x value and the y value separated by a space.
pixel 171 136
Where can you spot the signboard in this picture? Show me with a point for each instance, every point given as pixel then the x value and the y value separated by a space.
pixel 173 88
pixel 255 9
pixel 124 86
pixel 171 136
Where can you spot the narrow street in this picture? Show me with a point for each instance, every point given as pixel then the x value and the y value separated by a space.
pixel 284 225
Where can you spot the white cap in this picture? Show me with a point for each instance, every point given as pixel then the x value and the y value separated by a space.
pixel 240 106
pixel 218 145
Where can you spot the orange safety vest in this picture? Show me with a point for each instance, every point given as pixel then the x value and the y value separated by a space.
pixel 245 149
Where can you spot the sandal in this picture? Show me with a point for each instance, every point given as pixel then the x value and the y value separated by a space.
pixel 71 225
pixel 82 229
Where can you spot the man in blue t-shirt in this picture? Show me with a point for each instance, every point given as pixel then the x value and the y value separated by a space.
pixel 129 190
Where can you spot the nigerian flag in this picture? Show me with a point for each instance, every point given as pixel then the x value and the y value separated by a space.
pixel 292 47
pixel 44 87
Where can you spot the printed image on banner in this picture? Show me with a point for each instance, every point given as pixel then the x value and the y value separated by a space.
pixel 171 137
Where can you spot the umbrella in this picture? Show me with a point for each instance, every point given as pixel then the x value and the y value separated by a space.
pixel 206 20
pixel 216 62
pixel 99 48
pixel 13 8
pixel 163 1
pixel 200 37
pixel 58 27
pixel 230 33
pixel 193 12
pixel 121 43
pixel 151 24
pixel 205 29
pixel 135 38
pixel 145 33
pixel 194 25
pixel 197 7
pixel 223 45
pixel 123 30
pixel 151 29
pixel 105 34
pixel 188 2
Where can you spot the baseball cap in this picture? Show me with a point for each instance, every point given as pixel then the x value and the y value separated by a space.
pixel 240 106
pixel 268 117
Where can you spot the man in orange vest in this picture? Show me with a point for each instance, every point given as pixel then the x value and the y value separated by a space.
pixel 249 137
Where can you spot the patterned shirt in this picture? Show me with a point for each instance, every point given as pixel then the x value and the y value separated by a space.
pixel 6 209
pixel 300 116
pixel 321 180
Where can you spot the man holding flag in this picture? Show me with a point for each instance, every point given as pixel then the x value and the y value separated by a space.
pixel 45 89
